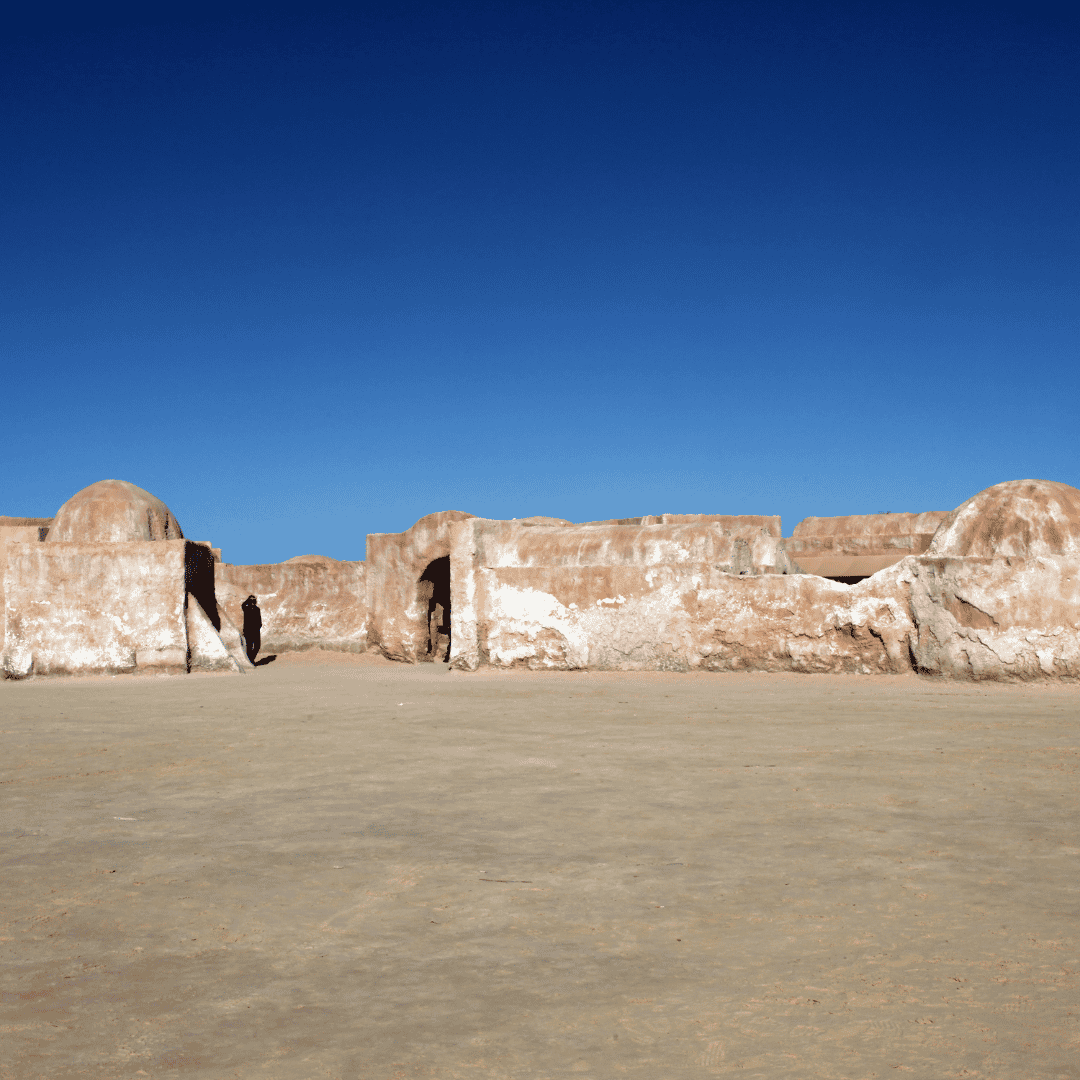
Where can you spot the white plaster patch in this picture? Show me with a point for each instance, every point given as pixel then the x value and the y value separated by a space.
pixel 522 616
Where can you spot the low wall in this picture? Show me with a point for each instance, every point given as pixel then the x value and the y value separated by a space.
pixel 965 618
pixel 398 609
pixel 679 619
pixel 880 526
pixel 310 602
pixel 726 524
pixel 1011 619
pixel 17 530
pixel 729 544
pixel 95 608
pixel 397 612
pixel 586 563
pixel 860 545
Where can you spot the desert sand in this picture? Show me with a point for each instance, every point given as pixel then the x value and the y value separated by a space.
pixel 344 867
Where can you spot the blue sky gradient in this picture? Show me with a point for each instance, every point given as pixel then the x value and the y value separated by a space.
pixel 311 274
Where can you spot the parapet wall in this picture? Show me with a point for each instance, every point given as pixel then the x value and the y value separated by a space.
pixel 974 619
pixel 397 612
pixel 511 543
pixel 310 602
pixel 95 608
pixel 860 545
pixel 17 530
pixel 994 594
pixel 876 526
pixel 398 608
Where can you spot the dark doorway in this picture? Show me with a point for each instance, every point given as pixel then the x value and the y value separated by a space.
pixel 434 587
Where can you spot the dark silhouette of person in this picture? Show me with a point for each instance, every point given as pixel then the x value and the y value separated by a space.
pixel 252 627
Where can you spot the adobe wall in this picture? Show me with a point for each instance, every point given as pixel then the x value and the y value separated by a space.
pixel 397 615
pixel 114 608
pixel 860 545
pixel 17 530
pixel 728 524
pixel 95 608
pixel 309 602
pixel 736 545
pixel 880 526
pixel 981 618
pixel 964 618
pixel 679 618
pixel 481 550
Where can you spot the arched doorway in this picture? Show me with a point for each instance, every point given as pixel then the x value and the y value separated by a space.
pixel 434 589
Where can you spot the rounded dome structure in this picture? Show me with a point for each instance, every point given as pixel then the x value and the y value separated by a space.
pixel 1022 518
pixel 113 511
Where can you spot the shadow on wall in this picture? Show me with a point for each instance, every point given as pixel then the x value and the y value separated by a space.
pixel 434 589
pixel 199 580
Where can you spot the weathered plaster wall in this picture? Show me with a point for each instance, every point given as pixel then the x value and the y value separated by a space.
pixel 113 511
pixel 478 547
pixel 17 530
pixel 114 608
pixel 872 526
pixel 397 616
pixel 729 544
pixel 728 524
pixel 857 546
pixel 680 618
pixel 996 618
pixel 310 602
pixel 965 618
pixel 214 645
pixel 95 608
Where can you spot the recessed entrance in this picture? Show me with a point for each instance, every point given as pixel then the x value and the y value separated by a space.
pixel 434 588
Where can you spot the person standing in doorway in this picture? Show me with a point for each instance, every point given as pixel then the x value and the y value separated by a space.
pixel 252 627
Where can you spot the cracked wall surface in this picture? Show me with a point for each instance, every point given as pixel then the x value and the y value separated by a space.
pixel 310 602
pixel 993 593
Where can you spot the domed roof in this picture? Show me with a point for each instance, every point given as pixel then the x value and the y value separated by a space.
pixel 1017 518
pixel 113 511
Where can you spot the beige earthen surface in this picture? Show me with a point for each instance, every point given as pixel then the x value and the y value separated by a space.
pixel 995 619
pixel 858 546
pixel 310 602
pixel 397 611
pixel 95 608
pixel 966 618
pixel 113 511
pixel 1025 518
pixel 871 526
pixel 15 530
pixel 687 618
pixel 367 869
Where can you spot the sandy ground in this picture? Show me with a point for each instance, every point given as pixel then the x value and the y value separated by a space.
pixel 345 868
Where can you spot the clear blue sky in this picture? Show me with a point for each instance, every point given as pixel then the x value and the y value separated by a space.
pixel 311 274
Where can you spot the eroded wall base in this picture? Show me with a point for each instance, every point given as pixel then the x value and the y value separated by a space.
pixel 963 618
pixel 113 609
pixel 309 602
pixel 75 609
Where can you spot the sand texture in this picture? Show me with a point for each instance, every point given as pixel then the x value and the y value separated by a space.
pixel 342 867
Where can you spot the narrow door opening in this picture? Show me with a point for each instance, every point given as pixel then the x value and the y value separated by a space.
pixel 435 589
